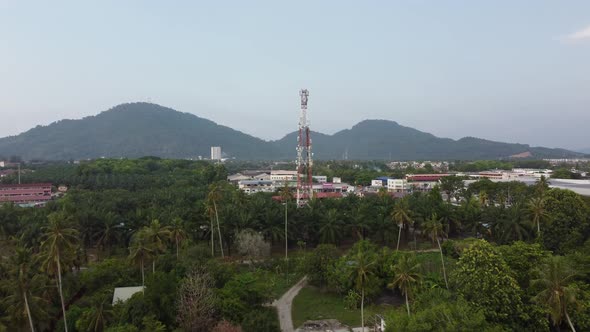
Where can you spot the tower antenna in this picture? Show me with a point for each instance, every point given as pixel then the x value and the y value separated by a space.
pixel 304 154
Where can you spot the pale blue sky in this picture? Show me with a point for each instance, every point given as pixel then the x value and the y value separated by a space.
pixel 513 71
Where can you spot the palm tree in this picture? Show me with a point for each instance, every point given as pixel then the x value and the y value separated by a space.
pixel 98 316
pixel 512 224
pixel 108 231
pixel 434 229
pixel 407 275
pixel 537 211
pixel 140 251
pixel 20 285
pixel 556 294
pixel 157 236
pixel 59 239
pixel 361 273
pixel 286 197
pixel 177 232
pixel 541 186
pixel 401 216
pixel 213 198
pixel 331 227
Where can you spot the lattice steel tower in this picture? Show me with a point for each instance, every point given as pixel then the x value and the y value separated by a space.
pixel 304 154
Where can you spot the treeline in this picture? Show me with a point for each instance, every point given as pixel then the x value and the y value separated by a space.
pixel 153 221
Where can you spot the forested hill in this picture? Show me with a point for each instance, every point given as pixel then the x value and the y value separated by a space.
pixel 382 139
pixel 133 130
pixel 144 129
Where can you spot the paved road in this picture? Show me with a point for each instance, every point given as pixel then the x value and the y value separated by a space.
pixel 284 305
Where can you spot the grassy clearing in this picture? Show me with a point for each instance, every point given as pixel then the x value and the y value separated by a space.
pixel 311 304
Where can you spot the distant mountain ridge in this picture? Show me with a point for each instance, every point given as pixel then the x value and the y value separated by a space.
pixel 139 129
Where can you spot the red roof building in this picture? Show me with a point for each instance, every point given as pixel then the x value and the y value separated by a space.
pixel 30 193
pixel 425 177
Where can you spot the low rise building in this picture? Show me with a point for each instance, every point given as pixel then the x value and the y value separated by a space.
pixel 256 186
pixel 25 194
pixel 320 178
pixel 376 183
pixel 283 176
pixel 397 185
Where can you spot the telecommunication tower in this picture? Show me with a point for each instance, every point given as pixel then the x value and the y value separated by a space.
pixel 304 155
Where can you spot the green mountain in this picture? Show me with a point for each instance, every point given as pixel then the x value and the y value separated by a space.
pixel 133 130
pixel 382 139
pixel 141 129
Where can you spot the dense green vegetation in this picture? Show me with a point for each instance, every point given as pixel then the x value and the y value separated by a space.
pixel 201 248
pixel 144 129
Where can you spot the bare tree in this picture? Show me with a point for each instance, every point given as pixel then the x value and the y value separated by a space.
pixel 196 302
pixel 252 244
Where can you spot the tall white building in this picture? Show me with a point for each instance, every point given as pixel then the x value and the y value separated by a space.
pixel 216 153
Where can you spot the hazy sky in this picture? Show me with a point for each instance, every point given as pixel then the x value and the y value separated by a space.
pixel 515 71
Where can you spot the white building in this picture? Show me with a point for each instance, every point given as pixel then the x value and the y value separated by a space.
pixel 336 180
pixel 215 153
pixel 320 178
pixel 256 186
pixel 283 176
pixel 397 185
pixel 376 183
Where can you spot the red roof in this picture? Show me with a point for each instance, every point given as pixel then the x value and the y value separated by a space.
pixel 425 177
pixel 25 185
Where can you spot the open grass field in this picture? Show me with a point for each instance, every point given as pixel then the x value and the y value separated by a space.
pixel 312 304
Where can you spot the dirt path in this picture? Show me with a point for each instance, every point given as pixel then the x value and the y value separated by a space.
pixel 284 305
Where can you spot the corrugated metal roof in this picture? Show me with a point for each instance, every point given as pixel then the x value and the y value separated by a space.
pixel 125 293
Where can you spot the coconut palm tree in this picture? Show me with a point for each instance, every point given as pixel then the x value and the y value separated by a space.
pixel 361 273
pixel 97 317
pixel 401 215
pixel 177 232
pixel 537 212
pixel 213 198
pixel 20 287
pixel 157 236
pixel 140 252
pixel 541 186
pixel 556 295
pixel 434 229
pixel 59 240
pixel 407 276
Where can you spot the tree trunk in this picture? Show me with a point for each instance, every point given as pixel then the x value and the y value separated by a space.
pixel 61 294
pixel 142 274
pixel 399 236
pixel 29 312
pixel 538 227
pixel 363 309
pixel 407 304
pixel 218 229
pixel 154 266
pixel 176 238
pixel 212 239
pixel 286 239
pixel 443 263
pixel 569 321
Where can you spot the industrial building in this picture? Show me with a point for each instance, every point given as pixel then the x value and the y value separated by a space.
pixel 25 194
